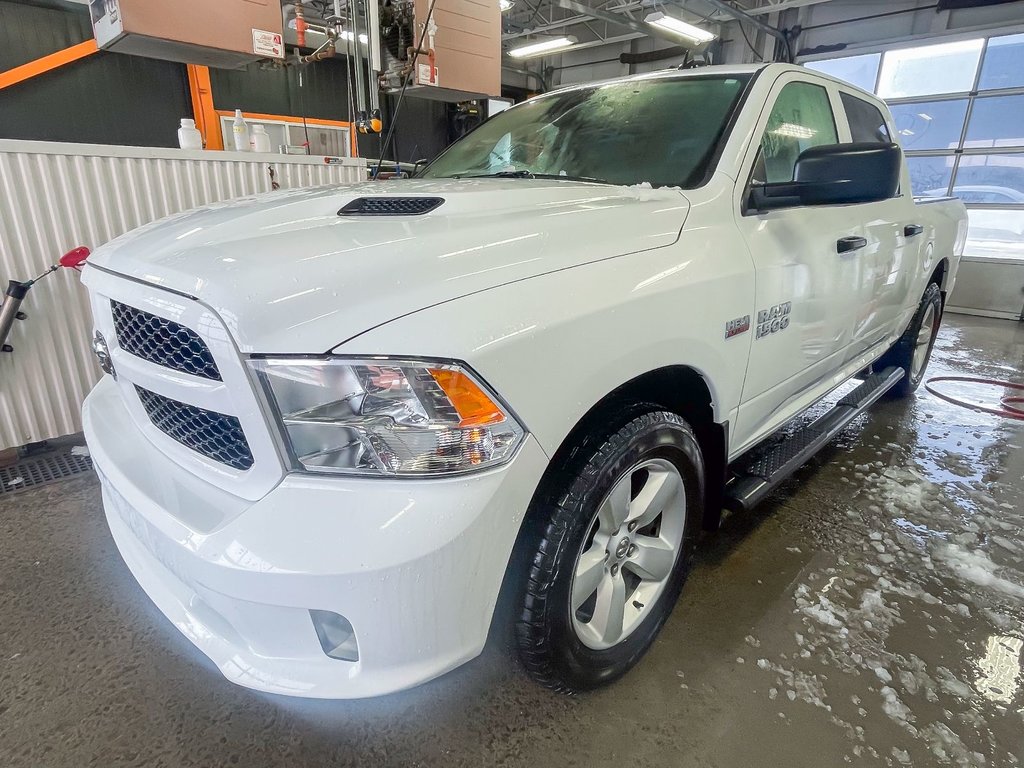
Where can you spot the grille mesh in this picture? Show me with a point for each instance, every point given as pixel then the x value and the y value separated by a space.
pixel 163 342
pixel 390 206
pixel 214 435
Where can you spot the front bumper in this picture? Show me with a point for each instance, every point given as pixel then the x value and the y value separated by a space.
pixel 414 565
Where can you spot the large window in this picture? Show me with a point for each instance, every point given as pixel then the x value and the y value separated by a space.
pixel 958 108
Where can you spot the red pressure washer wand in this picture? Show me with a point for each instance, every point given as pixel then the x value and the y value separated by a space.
pixel 16 292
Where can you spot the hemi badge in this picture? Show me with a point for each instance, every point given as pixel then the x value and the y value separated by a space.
pixel 737 326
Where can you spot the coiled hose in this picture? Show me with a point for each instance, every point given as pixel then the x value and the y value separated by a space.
pixel 1008 403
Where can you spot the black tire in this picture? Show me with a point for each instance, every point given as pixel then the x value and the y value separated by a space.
pixel 549 645
pixel 902 352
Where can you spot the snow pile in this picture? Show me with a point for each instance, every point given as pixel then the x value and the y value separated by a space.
pixel 645 191
pixel 978 568
pixel 949 748
pixel 895 708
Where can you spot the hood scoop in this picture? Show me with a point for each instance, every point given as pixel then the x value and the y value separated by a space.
pixel 390 206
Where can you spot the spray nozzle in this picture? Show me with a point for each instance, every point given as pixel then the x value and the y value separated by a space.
pixel 73 259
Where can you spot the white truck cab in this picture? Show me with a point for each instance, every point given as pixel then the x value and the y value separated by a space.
pixel 338 422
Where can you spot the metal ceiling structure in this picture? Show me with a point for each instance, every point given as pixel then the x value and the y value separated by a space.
pixel 600 22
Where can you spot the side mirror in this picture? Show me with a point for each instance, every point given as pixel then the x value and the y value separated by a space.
pixel 836 174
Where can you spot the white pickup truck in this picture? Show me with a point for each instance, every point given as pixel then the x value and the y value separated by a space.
pixel 339 422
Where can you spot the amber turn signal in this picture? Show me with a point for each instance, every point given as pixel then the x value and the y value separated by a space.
pixel 474 407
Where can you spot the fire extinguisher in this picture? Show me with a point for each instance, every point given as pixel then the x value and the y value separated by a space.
pixel 16 292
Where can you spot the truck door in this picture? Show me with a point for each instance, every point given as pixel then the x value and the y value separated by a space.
pixel 807 270
pixel 893 254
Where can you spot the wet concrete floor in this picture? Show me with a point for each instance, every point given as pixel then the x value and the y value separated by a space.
pixel 871 613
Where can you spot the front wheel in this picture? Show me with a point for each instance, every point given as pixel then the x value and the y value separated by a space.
pixel 610 560
pixel 914 348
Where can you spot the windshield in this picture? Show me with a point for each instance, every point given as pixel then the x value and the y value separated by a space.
pixel 660 131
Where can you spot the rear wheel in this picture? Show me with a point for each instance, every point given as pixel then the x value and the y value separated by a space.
pixel 914 348
pixel 613 553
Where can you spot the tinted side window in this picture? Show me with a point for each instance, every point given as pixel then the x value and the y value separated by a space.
pixel 866 122
pixel 801 118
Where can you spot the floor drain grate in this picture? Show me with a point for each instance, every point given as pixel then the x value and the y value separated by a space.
pixel 40 470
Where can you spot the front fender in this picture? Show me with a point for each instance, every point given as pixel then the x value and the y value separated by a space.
pixel 555 345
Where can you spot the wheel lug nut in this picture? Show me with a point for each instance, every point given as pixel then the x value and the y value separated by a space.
pixel 632 526
pixel 615 569
pixel 631 551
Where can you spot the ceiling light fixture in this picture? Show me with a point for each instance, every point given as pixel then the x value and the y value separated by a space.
pixel 679 27
pixel 506 5
pixel 541 47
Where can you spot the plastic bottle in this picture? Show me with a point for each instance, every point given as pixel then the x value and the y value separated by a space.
pixel 260 139
pixel 189 136
pixel 241 132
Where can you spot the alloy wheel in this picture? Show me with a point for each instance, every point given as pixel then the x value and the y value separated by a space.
pixel 629 553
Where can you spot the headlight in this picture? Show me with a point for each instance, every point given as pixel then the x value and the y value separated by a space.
pixel 387 417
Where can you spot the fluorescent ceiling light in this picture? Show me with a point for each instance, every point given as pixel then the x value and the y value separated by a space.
pixel 506 5
pixel 542 47
pixel 679 27
pixel 348 36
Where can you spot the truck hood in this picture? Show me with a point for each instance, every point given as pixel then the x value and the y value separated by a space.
pixel 287 273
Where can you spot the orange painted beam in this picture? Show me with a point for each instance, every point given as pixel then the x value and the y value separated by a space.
pixel 202 106
pixel 47 63
pixel 286 118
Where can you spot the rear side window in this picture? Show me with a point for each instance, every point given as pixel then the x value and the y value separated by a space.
pixel 866 121
pixel 801 118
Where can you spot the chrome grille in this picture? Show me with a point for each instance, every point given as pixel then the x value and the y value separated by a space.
pixel 162 341
pixel 214 435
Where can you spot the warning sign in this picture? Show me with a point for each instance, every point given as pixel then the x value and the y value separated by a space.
pixel 426 75
pixel 266 43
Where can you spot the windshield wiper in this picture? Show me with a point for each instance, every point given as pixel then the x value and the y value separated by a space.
pixel 505 175
pixel 531 175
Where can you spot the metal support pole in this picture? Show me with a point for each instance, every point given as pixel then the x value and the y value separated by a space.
pixel 353 6
pixel 373 54
pixel 11 309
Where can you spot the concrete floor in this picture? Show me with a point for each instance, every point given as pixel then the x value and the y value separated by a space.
pixel 870 614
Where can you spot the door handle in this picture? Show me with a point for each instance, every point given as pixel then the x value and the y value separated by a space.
pixel 850 243
pixel 912 229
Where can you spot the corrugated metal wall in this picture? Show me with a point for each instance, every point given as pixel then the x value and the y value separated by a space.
pixel 57 196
